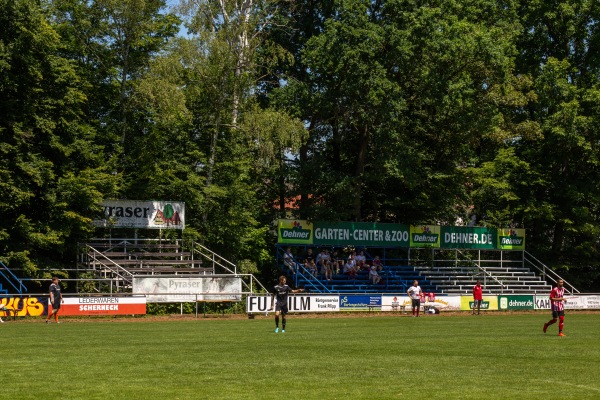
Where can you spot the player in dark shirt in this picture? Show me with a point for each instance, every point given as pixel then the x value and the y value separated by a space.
pixel 55 299
pixel 282 290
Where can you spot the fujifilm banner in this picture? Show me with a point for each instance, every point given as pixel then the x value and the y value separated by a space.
pixel 142 214
pixel 177 289
pixel 296 303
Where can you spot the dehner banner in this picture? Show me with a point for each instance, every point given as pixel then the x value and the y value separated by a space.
pixel 175 289
pixel 142 214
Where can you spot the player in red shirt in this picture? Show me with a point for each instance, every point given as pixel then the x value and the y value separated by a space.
pixel 477 296
pixel 557 304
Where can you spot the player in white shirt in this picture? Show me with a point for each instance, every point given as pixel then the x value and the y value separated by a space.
pixel 414 292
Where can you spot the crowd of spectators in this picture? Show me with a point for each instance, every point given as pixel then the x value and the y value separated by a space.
pixel 327 263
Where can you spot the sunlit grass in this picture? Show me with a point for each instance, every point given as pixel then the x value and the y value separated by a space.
pixel 500 356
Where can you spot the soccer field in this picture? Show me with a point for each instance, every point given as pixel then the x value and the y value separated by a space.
pixel 493 356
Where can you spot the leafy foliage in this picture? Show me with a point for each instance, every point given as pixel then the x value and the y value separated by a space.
pixel 391 110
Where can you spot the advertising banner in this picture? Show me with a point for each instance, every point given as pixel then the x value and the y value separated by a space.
pixel 296 303
pixel 516 302
pixel 488 303
pixel 294 231
pixel 395 303
pixel 176 289
pixel 142 214
pixel 574 302
pixel 542 302
pixel 102 305
pixel 448 303
pixel 425 236
pixel 373 234
pixel 342 233
pixel 464 237
pixel 24 306
pixel 511 239
pixel 360 302
pixel 592 302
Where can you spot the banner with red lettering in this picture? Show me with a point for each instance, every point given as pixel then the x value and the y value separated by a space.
pixel 102 305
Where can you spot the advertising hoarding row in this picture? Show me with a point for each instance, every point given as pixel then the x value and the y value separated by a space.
pixel 16 306
pixel 335 303
pixel 373 234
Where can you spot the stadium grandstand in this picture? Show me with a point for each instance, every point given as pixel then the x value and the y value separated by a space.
pixel 501 272
pixel 446 261
pixel 109 265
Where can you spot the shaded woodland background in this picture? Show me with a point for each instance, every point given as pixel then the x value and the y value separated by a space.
pixel 417 112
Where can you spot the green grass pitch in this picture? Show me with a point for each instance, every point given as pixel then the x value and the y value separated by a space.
pixel 493 356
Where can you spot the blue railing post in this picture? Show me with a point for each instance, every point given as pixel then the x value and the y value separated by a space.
pixel 12 279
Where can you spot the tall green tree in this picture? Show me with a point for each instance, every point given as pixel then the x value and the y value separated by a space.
pixel 232 148
pixel 405 97
pixel 113 42
pixel 52 171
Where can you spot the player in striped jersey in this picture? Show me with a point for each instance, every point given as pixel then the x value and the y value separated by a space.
pixel 557 304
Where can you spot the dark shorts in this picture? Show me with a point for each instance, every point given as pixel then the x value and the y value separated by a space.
pixel 416 302
pixel 477 302
pixel 556 314
pixel 56 305
pixel 281 307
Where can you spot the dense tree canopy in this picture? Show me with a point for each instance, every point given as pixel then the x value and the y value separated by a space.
pixel 389 110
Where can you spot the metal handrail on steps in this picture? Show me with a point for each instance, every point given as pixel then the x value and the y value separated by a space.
pixel 12 279
pixel 547 272
pixel 225 264
pixel 115 268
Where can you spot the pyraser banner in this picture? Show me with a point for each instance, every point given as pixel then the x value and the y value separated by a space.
pixel 142 214
pixel 175 288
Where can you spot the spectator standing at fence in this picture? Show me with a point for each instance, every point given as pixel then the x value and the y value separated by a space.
pixel 288 260
pixel 477 296
pixel 312 269
pixel 350 267
pixel 327 271
pixel 308 256
pixel 361 261
pixel 282 290
pixel 55 299
pixel 374 276
pixel 414 292
pixel 337 262
pixel 378 264
pixel 557 304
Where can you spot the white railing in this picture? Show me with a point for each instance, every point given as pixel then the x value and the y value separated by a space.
pixel 546 272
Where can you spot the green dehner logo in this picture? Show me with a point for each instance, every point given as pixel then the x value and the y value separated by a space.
pixel 296 232
pixel 512 239
pixel 427 237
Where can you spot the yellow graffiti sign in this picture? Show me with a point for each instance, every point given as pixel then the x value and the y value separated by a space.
pixel 24 306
